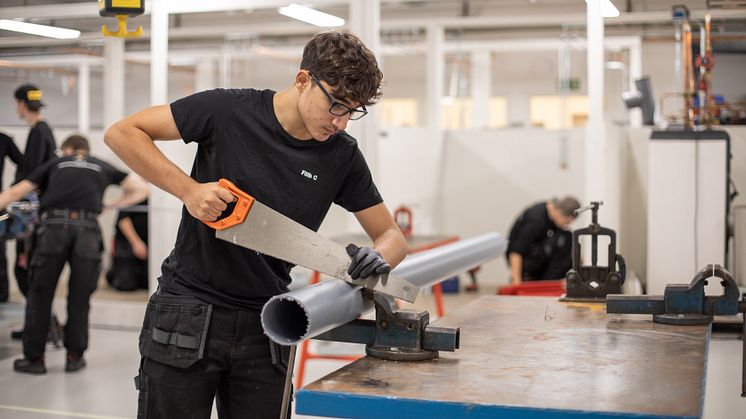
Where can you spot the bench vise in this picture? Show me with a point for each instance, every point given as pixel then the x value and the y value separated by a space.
pixel 592 283
pixel 684 304
pixel 687 304
pixel 396 334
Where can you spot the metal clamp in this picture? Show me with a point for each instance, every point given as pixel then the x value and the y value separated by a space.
pixel 396 334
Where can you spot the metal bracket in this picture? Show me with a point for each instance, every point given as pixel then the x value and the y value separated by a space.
pixel 398 335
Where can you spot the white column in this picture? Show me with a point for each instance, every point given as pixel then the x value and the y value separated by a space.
pixel 205 77
pixel 225 70
pixel 519 108
pixel 635 72
pixel 158 52
pixel 595 134
pixel 165 210
pixel 365 22
pixel 435 65
pixel 481 88
pixel 113 80
pixel 84 98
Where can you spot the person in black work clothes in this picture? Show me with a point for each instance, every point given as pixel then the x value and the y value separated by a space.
pixel 7 149
pixel 539 246
pixel 287 149
pixel 40 148
pixel 129 268
pixel 72 191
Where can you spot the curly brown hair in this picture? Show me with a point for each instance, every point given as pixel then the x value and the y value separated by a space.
pixel 342 60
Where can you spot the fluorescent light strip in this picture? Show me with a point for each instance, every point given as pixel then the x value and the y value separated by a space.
pixel 42 30
pixel 312 16
pixel 607 8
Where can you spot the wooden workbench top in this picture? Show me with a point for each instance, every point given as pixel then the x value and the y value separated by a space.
pixel 530 357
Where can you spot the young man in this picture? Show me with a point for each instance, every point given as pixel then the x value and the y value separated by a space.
pixel 266 143
pixel 40 148
pixel 539 246
pixel 72 191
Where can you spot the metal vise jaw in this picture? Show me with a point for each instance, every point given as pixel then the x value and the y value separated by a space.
pixel 683 304
pixel 398 335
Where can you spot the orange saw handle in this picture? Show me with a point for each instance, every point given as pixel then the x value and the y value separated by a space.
pixel 243 205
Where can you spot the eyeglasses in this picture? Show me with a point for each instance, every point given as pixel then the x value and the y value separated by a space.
pixel 339 109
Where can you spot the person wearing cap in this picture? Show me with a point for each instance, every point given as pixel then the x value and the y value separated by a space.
pixel 72 193
pixel 7 149
pixel 539 244
pixel 40 148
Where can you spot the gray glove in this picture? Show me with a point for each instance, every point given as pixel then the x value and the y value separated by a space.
pixel 365 262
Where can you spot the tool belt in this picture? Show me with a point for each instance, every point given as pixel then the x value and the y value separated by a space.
pixel 69 214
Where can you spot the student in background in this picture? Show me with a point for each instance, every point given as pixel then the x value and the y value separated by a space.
pixel 539 245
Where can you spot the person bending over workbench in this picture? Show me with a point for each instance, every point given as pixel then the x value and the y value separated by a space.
pixel 539 246
pixel 72 191
pixel 202 336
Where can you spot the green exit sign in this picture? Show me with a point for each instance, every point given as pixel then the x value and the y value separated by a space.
pixel 568 85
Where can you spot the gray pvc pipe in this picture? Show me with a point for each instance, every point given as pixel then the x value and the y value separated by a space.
pixel 292 317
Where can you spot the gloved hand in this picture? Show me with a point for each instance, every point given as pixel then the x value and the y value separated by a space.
pixel 365 262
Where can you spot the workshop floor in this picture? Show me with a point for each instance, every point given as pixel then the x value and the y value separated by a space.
pixel 105 390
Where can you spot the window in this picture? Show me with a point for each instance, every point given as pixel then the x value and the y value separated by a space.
pixel 457 113
pixel 397 112
pixel 556 112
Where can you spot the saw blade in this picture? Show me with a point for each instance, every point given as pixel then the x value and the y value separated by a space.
pixel 267 231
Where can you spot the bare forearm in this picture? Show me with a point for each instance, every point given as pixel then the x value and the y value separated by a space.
pixel 516 268
pixel 138 151
pixel 128 230
pixel 18 191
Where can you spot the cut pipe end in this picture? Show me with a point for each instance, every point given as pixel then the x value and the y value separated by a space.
pixel 285 320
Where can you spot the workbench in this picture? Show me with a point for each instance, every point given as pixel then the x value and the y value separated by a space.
pixel 530 357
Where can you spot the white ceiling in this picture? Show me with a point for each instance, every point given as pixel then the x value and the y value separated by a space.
pixel 258 22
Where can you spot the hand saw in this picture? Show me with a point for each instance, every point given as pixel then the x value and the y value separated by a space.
pixel 258 227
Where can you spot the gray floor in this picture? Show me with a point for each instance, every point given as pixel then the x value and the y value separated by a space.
pixel 105 389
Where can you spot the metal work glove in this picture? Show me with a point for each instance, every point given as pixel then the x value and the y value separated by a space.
pixel 365 262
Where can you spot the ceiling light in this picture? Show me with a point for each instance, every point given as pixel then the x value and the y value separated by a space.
pixel 42 30
pixel 607 8
pixel 309 15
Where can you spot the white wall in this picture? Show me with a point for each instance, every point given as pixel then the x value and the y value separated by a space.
pixel 484 180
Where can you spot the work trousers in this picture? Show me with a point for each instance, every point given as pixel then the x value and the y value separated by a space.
pixel 60 241
pixel 194 352
pixel 21 268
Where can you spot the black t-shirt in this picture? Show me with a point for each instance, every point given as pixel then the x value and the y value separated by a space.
pixel 240 139
pixel 8 149
pixel 529 228
pixel 40 147
pixel 74 182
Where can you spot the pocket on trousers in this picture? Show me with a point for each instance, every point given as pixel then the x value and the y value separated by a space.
pixel 174 330
pixel 50 240
pixel 89 244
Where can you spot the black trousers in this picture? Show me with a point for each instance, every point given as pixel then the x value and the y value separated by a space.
pixel 60 241
pixel 21 268
pixel 235 364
